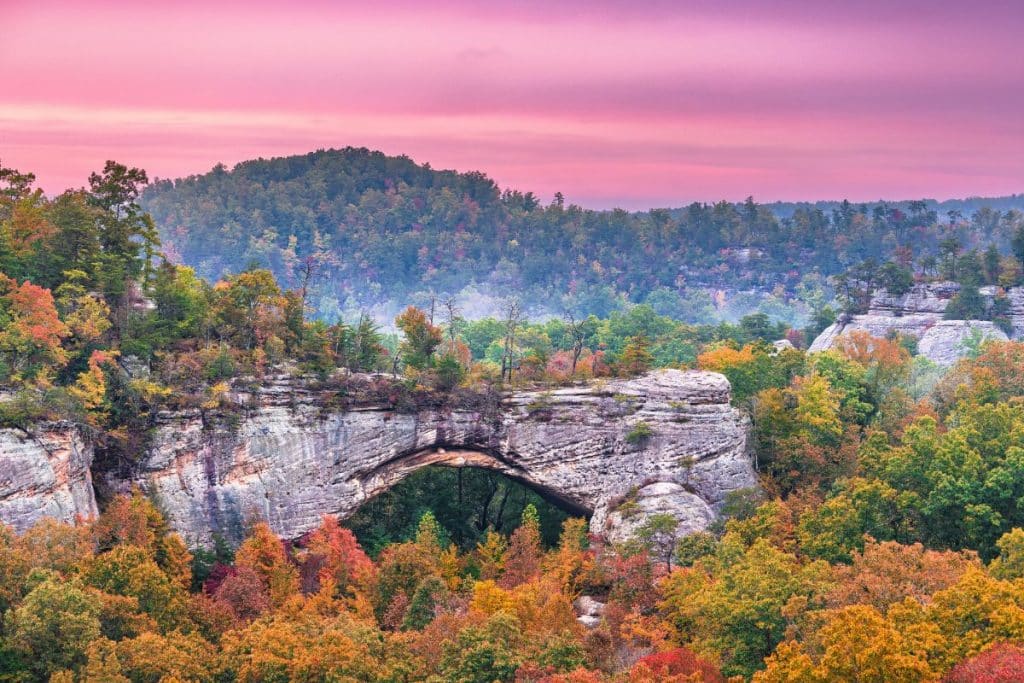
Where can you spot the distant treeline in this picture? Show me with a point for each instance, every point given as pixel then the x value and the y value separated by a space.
pixel 363 228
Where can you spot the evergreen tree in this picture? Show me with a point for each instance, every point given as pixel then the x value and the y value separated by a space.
pixel 968 303
pixel 636 357
pixel 1018 244
pixel 991 259
pixel 422 607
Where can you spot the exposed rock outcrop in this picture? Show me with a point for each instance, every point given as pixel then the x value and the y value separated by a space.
pixel 45 472
pixel 947 341
pixel 918 314
pixel 588 611
pixel 290 462
pixel 660 497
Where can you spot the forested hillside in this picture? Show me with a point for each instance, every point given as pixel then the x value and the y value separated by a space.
pixel 361 229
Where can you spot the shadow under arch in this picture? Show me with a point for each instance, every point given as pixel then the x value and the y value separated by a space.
pixel 408 481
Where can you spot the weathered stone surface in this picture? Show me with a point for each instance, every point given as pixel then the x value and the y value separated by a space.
pixel 588 611
pixel 947 341
pixel 289 457
pixel 918 314
pixel 288 462
pixel 661 497
pixel 910 325
pixel 931 298
pixel 45 473
pixel 781 345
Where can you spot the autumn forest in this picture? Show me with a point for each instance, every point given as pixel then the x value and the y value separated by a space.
pixel 884 542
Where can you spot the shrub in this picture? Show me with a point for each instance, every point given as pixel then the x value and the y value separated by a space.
pixel 640 434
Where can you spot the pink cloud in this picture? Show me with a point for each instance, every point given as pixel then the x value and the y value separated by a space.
pixel 612 103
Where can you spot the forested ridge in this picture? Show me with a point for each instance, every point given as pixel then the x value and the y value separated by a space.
pixel 884 543
pixel 385 230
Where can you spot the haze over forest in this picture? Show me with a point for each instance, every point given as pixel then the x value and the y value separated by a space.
pixel 385 231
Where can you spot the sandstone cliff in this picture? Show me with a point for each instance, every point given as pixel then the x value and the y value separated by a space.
pixel 44 472
pixel 290 462
pixel 919 314
pixel 289 452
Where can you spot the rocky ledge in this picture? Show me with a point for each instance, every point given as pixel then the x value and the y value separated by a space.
pixel 44 472
pixel 918 314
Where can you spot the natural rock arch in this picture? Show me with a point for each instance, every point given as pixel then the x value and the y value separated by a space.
pixel 290 453
pixel 391 474
pixel 290 462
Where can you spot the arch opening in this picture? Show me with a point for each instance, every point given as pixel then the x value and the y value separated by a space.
pixel 466 496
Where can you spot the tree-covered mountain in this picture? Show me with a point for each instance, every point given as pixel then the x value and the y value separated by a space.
pixel 366 230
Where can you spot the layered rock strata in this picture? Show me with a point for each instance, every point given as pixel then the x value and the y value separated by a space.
pixel 918 314
pixel 44 472
pixel 670 433
pixel 289 452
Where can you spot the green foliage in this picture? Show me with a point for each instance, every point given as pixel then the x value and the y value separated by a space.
pixel 692 547
pixel 1010 562
pixel 967 304
pixel 182 306
pixel 658 535
pixel 484 654
pixel 421 338
pixel 821 318
pixel 752 368
pixel 53 626
pixel 742 611
pixel 636 357
pixel 250 307
pixel 418 230
pixel 896 279
pixel 858 508
pixel 423 604
pixel 449 371
pixel 127 237
pixel 848 380
pixel 860 448
pixel 465 503
pixel 640 434
pixel 530 517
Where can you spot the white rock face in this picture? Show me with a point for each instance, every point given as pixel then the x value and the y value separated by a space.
pixel 919 315
pixel 931 298
pixel 911 325
pixel 45 473
pixel 662 497
pixel 290 457
pixel 588 610
pixel 946 341
pixel 289 461
pixel 781 345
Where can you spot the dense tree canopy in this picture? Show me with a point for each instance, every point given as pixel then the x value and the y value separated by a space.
pixel 885 542
pixel 399 232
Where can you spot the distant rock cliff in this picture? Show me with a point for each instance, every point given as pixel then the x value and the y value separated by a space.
pixel 919 314
pixel 289 453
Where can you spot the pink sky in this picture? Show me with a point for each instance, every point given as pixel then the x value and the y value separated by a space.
pixel 632 104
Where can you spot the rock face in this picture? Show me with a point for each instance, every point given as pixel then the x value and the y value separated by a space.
pixel 588 610
pixel 45 473
pixel 919 314
pixel 289 461
pixel 947 341
pixel 665 442
pixel 660 497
